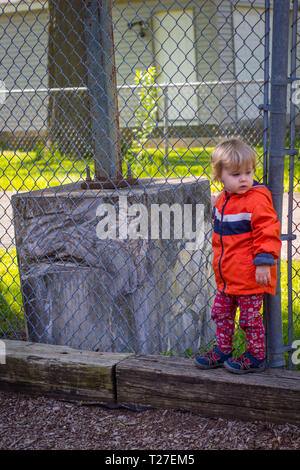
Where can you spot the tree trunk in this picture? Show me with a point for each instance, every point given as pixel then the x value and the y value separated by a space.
pixel 68 111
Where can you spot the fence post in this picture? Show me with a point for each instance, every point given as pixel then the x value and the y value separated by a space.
pixel 279 81
pixel 101 77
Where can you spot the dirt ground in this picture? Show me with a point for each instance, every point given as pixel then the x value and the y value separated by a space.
pixel 40 423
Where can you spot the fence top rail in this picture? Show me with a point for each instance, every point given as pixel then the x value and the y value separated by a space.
pixel 156 85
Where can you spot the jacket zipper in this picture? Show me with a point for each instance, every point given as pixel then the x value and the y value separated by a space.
pixel 221 240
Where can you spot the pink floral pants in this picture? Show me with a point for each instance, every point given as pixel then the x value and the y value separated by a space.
pixel 223 313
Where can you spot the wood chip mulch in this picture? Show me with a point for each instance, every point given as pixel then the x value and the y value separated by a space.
pixel 41 423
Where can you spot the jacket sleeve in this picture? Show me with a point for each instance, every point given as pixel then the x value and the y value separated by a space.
pixel 266 231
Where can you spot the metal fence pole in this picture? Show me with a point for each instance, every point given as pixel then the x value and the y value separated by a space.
pixel 293 153
pixel 265 105
pixel 279 81
pixel 101 75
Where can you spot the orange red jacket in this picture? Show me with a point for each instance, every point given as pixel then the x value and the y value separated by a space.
pixel 246 234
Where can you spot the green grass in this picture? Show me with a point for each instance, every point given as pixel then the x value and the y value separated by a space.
pixel 193 162
pixel 28 171
pixel 11 314
pixel 39 169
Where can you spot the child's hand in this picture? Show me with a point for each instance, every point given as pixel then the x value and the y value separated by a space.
pixel 263 275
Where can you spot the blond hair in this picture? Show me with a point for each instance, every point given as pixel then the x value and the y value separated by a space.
pixel 231 154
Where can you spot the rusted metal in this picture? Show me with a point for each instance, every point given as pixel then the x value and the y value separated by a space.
pixel 104 183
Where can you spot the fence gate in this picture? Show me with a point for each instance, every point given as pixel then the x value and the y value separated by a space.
pixel 109 113
pixel 293 220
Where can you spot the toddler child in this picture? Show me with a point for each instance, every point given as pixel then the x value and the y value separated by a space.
pixel 246 244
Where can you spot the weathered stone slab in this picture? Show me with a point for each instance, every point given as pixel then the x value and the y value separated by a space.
pixel 116 294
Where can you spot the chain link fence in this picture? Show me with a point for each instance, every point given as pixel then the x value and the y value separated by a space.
pixel 140 111
pixel 292 222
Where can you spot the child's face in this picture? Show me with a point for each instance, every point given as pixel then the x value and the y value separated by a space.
pixel 237 181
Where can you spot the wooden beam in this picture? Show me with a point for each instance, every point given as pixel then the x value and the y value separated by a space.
pixel 169 382
pixel 59 371
pixel 147 380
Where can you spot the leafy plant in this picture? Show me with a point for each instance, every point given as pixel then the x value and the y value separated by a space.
pixel 146 111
